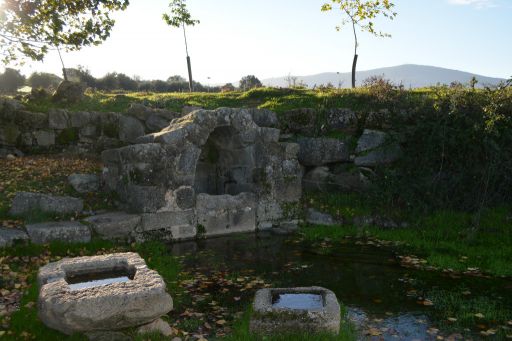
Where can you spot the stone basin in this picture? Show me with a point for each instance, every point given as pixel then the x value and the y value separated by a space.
pixel 295 310
pixel 98 293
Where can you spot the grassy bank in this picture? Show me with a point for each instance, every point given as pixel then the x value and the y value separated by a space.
pixel 460 241
pixel 278 100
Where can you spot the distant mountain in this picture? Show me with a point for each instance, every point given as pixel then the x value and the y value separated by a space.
pixel 410 75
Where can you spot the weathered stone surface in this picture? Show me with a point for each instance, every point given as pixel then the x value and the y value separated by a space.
pixel 69 92
pixel 370 139
pixel 109 307
pixel 9 237
pixel 142 199
pixel 130 129
pixel 383 155
pixel 81 119
pixel 166 220
pixel 341 119
pixel 322 151
pixel 25 202
pixel 264 117
pixel 185 197
pixel 9 134
pixel 156 123
pixel 65 231
pixel 376 148
pixel 187 109
pixel 58 119
pixel 45 138
pixel 299 121
pixel 324 180
pixel 84 183
pixel 270 320
pixel 319 218
pixel 114 225
pixel 158 326
pixel 224 214
pixel 31 120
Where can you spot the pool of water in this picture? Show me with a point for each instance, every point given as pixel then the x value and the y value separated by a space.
pixel 91 280
pixel 298 301
pixel 380 295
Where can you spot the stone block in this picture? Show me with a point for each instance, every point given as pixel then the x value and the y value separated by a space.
pixel 130 129
pixel 166 220
pixel 45 138
pixel 84 183
pixel 114 225
pixel 64 231
pixel 58 119
pixel 26 202
pixel 295 310
pixel 225 214
pixel 322 151
pixel 140 299
pixel 9 237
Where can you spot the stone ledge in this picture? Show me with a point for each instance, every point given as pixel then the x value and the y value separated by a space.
pixel 65 231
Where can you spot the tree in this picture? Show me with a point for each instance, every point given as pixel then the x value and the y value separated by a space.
pixel 228 87
pixel 291 80
pixel 180 17
pixel 11 80
pixel 250 82
pixel 108 82
pixel 30 28
pixel 86 77
pixel 43 80
pixel 473 82
pixel 360 14
pixel 126 83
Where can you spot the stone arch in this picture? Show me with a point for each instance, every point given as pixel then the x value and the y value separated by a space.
pixel 225 165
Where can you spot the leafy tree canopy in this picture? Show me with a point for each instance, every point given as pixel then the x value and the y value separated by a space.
pixel 249 82
pixel 11 80
pixel 361 13
pixel 180 16
pixel 43 80
pixel 30 28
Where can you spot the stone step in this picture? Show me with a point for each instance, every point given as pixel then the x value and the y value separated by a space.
pixel 65 231
pixel 8 237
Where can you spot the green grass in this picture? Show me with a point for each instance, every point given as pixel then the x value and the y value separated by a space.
pixel 445 239
pixel 241 332
pixel 456 311
pixel 279 100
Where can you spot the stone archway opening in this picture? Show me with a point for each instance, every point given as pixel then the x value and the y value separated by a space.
pixel 226 164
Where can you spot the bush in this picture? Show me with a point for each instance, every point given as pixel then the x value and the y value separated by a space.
pixel 457 151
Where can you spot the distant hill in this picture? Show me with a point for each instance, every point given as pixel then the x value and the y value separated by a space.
pixel 410 75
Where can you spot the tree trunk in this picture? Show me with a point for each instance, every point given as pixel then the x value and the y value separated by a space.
pixel 190 84
pixel 189 64
pixel 64 73
pixel 354 65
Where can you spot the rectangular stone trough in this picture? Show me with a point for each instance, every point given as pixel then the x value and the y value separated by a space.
pixel 99 293
pixel 295 310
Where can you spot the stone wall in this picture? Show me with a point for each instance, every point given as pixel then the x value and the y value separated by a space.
pixel 58 129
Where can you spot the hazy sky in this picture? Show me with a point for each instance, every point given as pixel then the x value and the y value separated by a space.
pixel 270 38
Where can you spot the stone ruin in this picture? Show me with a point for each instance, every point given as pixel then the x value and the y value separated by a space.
pixel 208 173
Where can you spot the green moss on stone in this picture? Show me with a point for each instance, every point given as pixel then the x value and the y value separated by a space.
pixel 67 136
